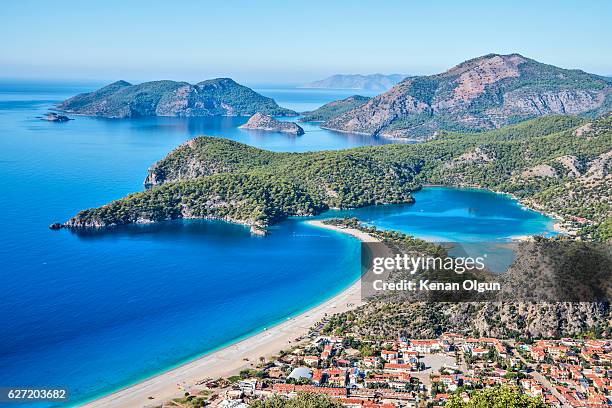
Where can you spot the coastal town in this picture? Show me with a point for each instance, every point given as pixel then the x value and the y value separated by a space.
pixel 402 372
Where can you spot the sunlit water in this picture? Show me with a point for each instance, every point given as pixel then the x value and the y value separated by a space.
pixel 97 311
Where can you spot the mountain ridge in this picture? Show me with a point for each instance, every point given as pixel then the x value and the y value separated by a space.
pixel 481 93
pixel 213 97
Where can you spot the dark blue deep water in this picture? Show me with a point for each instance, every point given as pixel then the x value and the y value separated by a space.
pixel 95 312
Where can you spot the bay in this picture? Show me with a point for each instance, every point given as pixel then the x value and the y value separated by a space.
pixel 97 311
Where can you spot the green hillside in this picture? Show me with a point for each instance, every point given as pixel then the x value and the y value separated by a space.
pixel 218 178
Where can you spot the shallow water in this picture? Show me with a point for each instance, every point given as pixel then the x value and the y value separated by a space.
pixel 456 215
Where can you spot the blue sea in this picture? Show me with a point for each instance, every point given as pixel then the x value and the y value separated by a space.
pixel 97 311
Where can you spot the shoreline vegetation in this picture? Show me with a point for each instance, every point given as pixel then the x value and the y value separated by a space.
pixel 557 165
pixel 242 354
pixel 533 315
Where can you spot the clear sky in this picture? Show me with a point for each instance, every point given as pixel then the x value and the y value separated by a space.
pixel 289 41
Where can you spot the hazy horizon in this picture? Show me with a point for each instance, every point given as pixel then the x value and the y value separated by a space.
pixel 293 43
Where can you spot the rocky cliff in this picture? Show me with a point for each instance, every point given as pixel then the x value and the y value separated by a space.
pixel 267 123
pixel 215 97
pixel 482 93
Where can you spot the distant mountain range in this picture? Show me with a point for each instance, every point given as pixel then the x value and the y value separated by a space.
pixel 482 93
pixel 214 97
pixel 373 82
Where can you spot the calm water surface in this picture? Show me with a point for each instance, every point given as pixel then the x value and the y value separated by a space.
pixel 456 215
pixel 97 311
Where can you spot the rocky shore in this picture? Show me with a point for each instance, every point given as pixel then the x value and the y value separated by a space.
pixel 55 117
pixel 260 121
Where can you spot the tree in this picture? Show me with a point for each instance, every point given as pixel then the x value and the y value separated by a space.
pixel 499 397
pixel 366 350
pixel 302 400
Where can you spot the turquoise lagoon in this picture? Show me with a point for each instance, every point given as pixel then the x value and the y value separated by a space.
pixel 99 310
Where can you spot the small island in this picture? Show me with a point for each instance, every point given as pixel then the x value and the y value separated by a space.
pixel 267 123
pixel 213 97
pixel 55 117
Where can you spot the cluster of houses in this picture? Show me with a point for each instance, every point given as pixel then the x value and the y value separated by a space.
pixel 579 371
pixel 416 373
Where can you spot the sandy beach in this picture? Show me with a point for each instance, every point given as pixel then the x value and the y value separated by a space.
pixel 230 360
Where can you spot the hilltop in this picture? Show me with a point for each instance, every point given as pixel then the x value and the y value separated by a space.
pixel 483 93
pixel 333 109
pixel 373 82
pixel 214 97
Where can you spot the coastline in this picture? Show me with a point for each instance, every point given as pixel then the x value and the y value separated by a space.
pixel 230 360
pixel 382 135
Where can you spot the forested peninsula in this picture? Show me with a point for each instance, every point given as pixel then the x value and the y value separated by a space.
pixel 558 164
